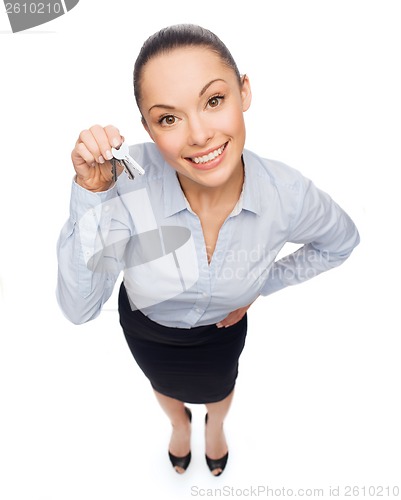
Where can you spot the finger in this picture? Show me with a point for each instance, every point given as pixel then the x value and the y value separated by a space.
pixel 87 138
pixel 114 137
pixel 103 143
pixel 227 321
pixel 233 317
pixel 87 157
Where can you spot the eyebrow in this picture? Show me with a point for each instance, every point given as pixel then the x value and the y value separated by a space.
pixel 204 89
pixel 208 85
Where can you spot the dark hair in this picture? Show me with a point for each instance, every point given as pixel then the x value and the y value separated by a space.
pixel 179 35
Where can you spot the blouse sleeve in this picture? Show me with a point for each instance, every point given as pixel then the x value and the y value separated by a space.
pixel 326 232
pixel 89 252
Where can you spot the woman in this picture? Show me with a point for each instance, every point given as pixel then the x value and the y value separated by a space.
pixel 196 237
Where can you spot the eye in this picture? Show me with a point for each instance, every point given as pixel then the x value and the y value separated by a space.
pixel 215 101
pixel 167 120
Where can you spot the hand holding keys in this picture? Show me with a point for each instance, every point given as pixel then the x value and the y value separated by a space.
pixel 125 159
pixel 95 166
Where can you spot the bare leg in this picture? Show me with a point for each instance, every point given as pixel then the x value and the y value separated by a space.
pixel 216 445
pixel 181 436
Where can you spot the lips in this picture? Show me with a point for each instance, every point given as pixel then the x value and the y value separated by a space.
pixel 208 156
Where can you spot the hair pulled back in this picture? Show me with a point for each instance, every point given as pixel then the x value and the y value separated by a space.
pixel 176 36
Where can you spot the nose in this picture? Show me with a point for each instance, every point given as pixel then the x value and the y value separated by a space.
pixel 199 131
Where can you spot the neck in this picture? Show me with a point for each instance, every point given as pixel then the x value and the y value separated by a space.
pixel 204 198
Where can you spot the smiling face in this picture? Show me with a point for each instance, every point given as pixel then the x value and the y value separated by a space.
pixel 192 105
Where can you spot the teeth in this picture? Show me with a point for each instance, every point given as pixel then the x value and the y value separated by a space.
pixel 210 156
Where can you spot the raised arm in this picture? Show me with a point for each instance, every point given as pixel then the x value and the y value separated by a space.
pixel 96 225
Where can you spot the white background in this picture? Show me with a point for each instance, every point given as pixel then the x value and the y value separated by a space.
pixel 317 402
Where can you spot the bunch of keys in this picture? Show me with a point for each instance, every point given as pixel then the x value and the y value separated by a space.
pixel 126 161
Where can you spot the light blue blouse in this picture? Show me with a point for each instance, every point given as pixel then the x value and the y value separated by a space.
pixel 145 229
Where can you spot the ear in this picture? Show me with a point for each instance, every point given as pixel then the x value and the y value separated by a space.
pixel 146 127
pixel 246 93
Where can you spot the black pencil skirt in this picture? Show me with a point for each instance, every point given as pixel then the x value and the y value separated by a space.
pixel 195 365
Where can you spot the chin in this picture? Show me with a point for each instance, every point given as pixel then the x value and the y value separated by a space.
pixel 215 178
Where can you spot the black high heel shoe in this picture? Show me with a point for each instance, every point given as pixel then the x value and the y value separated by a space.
pixel 182 462
pixel 218 463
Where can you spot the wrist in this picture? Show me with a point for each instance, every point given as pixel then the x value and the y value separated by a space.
pixel 90 187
